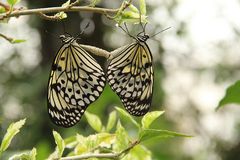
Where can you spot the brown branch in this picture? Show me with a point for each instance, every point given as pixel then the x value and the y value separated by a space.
pixel 41 11
pixel 70 8
pixel 57 16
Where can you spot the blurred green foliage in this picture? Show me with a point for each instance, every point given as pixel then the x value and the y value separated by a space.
pixel 116 144
pixel 231 96
pixel 23 94
pixel 29 88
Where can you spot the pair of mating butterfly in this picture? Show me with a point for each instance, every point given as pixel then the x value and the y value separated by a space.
pixel 77 80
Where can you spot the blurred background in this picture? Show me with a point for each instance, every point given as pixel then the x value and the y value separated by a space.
pixel 194 62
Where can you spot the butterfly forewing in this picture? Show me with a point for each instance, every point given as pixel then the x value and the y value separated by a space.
pixel 76 80
pixel 130 75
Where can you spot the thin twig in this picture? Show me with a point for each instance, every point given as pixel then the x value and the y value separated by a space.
pixel 124 5
pixel 9 39
pixel 101 155
pixel 74 3
pixel 56 17
pixel 47 17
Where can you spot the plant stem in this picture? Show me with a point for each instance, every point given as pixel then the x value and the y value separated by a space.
pixel 101 155
pixel 9 39
pixel 37 11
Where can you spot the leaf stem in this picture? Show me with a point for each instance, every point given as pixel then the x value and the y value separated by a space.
pixel 9 39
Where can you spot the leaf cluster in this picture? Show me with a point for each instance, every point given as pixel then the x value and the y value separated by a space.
pixel 110 141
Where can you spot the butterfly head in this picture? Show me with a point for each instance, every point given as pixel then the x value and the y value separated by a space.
pixel 142 38
pixel 66 38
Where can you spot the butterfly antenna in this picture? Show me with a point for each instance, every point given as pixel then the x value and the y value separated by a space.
pixel 87 25
pixel 127 31
pixel 144 28
pixel 160 32
pixel 142 25
pixel 140 20
pixel 125 25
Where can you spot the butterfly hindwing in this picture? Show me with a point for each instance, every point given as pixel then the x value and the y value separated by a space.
pixel 76 80
pixel 130 75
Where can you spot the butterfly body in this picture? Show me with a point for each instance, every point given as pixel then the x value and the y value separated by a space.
pixel 130 75
pixel 76 80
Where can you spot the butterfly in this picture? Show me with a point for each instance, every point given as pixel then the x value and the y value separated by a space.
pixel 130 74
pixel 76 80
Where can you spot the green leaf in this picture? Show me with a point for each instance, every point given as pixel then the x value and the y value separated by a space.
pixel 130 17
pixel 12 130
pixel 2 9
pixel 133 8
pixel 70 142
pixel 93 3
pixel 30 155
pixel 111 120
pixel 142 5
pixel 13 2
pixel 60 143
pixel 149 118
pixel 18 41
pixel 232 95
pixel 53 155
pixel 66 4
pixel 139 152
pixel 94 121
pixel 147 134
pixel 81 146
pixel 60 15
pixel 94 142
pixel 122 139
pixel 106 140
pixel 127 116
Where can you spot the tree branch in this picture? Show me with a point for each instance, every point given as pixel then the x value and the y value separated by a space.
pixel 38 11
pixel 7 7
pixel 101 155
pixel 70 8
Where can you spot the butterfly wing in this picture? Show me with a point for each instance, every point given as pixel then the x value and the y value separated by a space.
pixel 130 75
pixel 76 80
